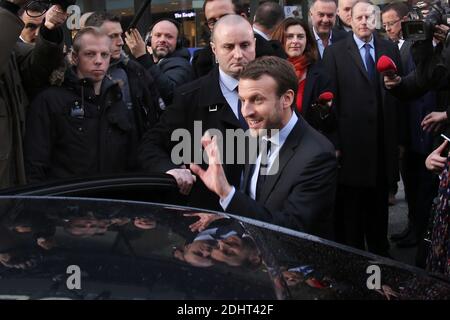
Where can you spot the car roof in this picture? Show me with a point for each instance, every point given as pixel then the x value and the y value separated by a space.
pixel 134 250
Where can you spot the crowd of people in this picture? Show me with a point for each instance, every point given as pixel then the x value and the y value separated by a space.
pixel 325 166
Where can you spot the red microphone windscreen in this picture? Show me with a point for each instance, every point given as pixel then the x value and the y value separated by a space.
pixel 325 97
pixel 385 64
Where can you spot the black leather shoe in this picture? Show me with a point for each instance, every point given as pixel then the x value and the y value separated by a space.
pixel 401 235
pixel 408 242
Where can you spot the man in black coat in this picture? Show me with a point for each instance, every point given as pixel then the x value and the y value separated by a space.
pixel 323 19
pixel 81 128
pixel 367 139
pixel 169 64
pixel 293 184
pixel 139 90
pixel 203 60
pixel 210 102
pixel 344 15
pixel 24 71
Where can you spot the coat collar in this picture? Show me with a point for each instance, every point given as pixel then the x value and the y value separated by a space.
pixel 213 101
pixel 353 50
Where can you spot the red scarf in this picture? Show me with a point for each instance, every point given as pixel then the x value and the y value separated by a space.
pixel 300 64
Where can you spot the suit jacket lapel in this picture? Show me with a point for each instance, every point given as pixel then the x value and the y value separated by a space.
pixel 356 56
pixel 215 103
pixel 286 153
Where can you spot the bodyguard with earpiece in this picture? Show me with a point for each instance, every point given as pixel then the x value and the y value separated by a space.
pixel 167 61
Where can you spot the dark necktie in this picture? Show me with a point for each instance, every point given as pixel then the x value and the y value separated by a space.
pixel 370 64
pixel 242 121
pixel 263 168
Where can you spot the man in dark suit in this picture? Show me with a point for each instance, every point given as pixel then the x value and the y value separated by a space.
pixel 203 60
pixel 367 140
pixel 323 19
pixel 291 181
pixel 267 16
pixel 32 17
pixel 210 102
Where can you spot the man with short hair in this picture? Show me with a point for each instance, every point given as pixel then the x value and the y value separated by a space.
pixel 169 64
pixel 32 17
pixel 323 18
pixel 203 60
pixel 344 15
pixel 81 128
pixel 267 16
pixel 292 181
pixel 24 70
pixel 367 132
pixel 139 91
pixel 213 102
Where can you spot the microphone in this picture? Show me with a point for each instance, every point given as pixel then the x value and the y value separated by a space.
pixel 323 104
pixel 325 98
pixel 387 67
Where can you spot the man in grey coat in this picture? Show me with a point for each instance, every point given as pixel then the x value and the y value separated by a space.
pixel 23 70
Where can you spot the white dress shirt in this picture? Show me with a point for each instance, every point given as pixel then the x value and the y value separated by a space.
pixel 319 41
pixel 277 142
pixel 228 86
pixel 262 34
pixel 362 51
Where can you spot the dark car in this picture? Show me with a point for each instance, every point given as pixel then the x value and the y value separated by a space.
pixel 55 244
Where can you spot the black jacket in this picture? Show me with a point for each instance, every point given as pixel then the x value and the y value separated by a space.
pixel 72 133
pixel 202 101
pixel 204 61
pixel 147 104
pixel 24 71
pixel 318 82
pixel 169 72
pixel 300 194
pixel 362 107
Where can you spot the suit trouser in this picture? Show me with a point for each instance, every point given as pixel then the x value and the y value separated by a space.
pixel 362 217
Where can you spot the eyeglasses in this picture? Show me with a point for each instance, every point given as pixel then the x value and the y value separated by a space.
pixel 211 22
pixel 31 26
pixel 390 24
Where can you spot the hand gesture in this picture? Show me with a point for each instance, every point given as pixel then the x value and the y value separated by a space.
pixel 135 42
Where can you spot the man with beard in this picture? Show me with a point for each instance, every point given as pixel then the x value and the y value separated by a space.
pixel 168 62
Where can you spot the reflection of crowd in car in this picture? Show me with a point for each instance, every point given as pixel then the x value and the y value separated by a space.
pixel 114 113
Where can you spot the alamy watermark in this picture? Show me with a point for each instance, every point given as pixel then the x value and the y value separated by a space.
pixel 240 147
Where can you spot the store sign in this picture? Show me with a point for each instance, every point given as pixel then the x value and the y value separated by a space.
pixel 184 14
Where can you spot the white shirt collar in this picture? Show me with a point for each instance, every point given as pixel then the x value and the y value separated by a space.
pixel 229 82
pixel 280 137
pixel 318 38
pixel 262 34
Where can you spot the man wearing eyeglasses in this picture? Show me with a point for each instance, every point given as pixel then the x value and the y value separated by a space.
pixel 24 70
pixel 33 18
